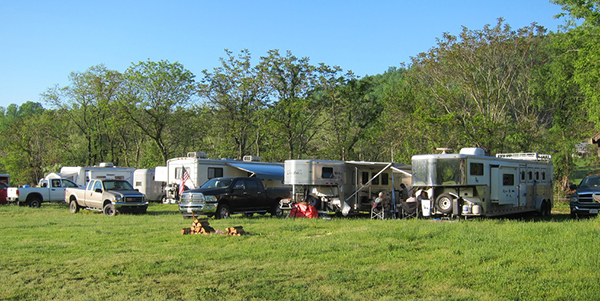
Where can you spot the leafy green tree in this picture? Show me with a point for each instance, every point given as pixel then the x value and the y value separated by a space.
pixel 294 109
pixel 351 111
pixel 235 95
pixel 90 104
pixel 588 10
pixel 32 146
pixel 152 93
pixel 480 79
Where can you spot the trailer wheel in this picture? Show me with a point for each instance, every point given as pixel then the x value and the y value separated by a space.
pixel 545 209
pixel 313 201
pixel 443 203
pixel 35 202
pixel 109 210
pixel 73 206
pixel 223 211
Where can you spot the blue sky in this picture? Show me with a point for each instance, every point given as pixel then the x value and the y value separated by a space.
pixel 44 41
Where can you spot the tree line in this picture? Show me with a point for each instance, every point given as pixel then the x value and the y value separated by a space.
pixel 498 88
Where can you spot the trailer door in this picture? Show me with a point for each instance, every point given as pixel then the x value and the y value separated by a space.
pixel 503 190
pixel 522 192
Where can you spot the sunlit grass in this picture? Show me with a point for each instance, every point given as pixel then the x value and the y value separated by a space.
pixel 49 253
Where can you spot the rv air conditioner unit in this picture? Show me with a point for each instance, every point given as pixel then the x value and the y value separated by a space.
pixel 106 164
pixel 198 155
pixel 248 158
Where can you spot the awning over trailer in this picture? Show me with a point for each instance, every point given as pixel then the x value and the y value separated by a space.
pixel 395 167
pixel 263 171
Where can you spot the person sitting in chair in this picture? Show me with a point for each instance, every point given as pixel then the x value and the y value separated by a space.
pixel 380 201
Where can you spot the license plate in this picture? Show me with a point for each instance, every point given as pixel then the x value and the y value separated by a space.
pixel 593 211
pixel 189 210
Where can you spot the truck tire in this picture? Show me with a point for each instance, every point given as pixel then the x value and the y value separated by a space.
pixel 443 203
pixel 35 202
pixel 223 211
pixel 109 210
pixel 73 206
pixel 276 210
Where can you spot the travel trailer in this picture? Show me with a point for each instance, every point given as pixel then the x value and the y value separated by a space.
pixel 344 186
pixel 200 168
pixel 81 175
pixel 151 182
pixel 472 184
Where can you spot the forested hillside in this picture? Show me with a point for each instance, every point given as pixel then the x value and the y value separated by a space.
pixel 498 88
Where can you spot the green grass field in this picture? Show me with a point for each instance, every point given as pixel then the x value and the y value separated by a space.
pixel 49 253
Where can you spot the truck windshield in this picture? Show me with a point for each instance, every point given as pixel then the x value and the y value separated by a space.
pixel 590 181
pixel 217 183
pixel 117 185
pixel 438 171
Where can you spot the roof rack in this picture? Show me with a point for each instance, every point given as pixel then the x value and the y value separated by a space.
pixel 525 156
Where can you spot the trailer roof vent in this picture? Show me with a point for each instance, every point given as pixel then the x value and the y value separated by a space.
pixel 198 155
pixel 475 151
pixel 106 164
pixel 444 150
pixel 249 158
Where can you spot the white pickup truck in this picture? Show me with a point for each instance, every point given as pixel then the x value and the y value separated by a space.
pixel 108 196
pixel 49 190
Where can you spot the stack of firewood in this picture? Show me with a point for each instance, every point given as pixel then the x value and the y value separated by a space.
pixel 201 226
pixel 236 231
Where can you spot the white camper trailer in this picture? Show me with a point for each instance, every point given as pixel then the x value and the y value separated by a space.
pixel 344 186
pixel 472 184
pixel 201 169
pixel 147 181
pixel 81 175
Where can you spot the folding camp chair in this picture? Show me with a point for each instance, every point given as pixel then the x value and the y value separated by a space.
pixel 377 211
pixel 410 210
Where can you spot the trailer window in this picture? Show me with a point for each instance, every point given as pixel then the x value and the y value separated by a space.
pixel 375 180
pixel 385 179
pixel 476 169
pixel 439 171
pixel 327 173
pixel 365 177
pixel 508 179
pixel 522 176
pixel 530 176
pixel 543 176
pixel 537 175
pixel 215 172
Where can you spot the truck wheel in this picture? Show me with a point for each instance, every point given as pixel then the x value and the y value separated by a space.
pixel 276 211
pixel 109 210
pixel 223 211
pixel 73 207
pixel 35 202
pixel 443 203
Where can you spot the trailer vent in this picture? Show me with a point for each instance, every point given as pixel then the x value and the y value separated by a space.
pixel 249 158
pixel 475 151
pixel 198 155
pixel 106 164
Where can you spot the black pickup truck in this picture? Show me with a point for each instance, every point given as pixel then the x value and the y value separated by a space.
pixel 221 197
pixel 586 199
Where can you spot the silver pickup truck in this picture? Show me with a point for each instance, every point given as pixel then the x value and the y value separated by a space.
pixel 108 196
